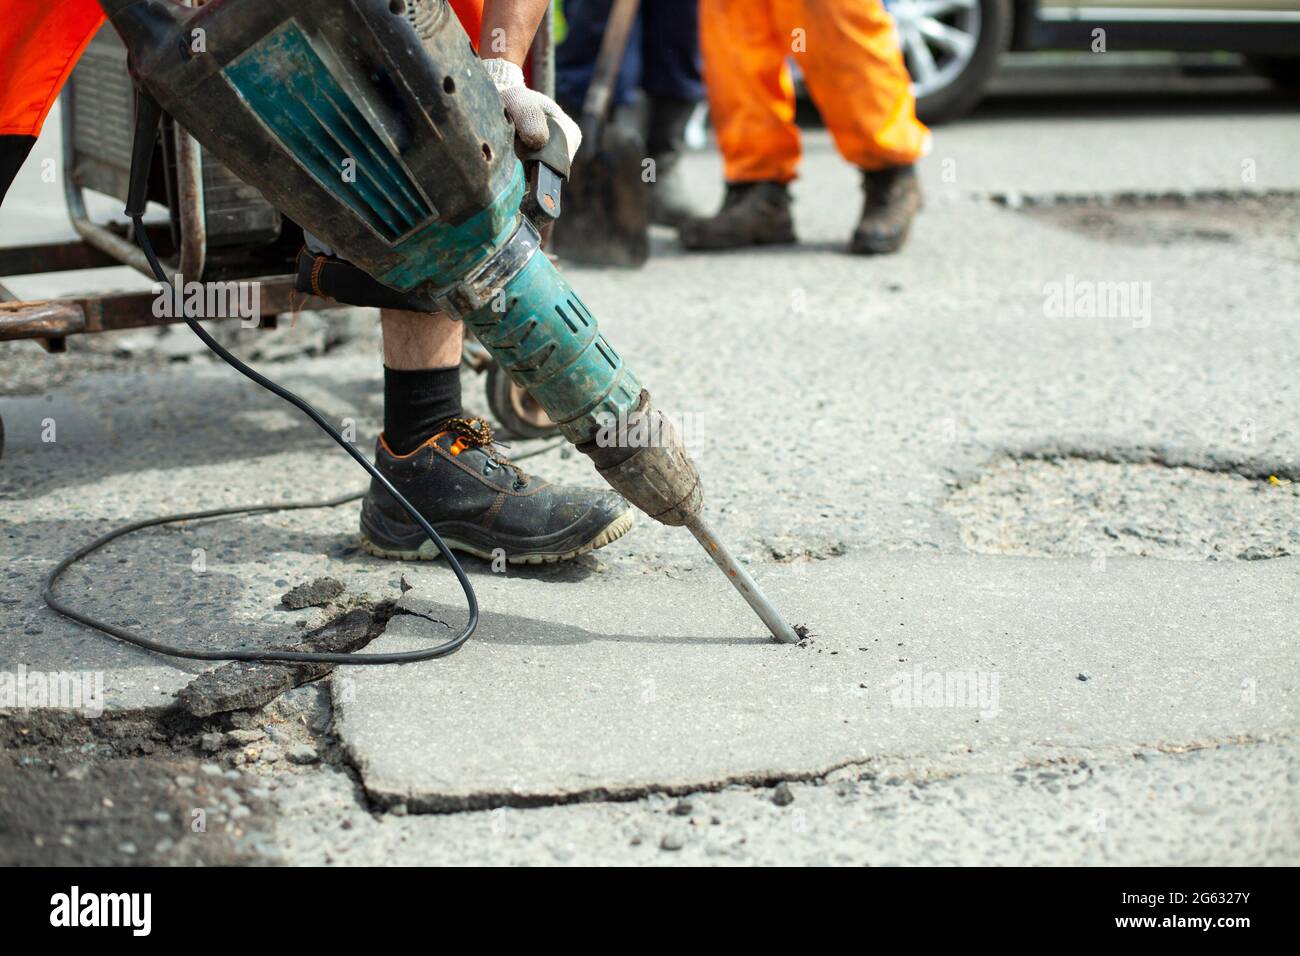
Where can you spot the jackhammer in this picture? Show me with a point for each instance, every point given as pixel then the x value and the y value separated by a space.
pixel 372 124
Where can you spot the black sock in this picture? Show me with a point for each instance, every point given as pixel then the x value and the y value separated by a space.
pixel 416 403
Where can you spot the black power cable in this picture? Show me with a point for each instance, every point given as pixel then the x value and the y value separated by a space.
pixel 406 657
pixel 125 635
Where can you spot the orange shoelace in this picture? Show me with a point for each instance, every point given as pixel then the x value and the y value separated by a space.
pixel 477 433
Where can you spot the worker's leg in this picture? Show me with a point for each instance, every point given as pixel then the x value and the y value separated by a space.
pixel 674 87
pixel 855 73
pixel 751 95
pixel 414 340
pixel 421 376
pixel 671 51
pixel 751 100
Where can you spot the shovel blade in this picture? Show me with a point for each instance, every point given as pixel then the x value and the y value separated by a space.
pixel 606 210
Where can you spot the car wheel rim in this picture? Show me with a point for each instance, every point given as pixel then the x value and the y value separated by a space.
pixel 938 38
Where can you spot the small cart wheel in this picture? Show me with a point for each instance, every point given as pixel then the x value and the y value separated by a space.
pixel 516 410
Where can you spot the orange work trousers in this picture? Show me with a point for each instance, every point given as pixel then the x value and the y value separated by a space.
pixel 852 64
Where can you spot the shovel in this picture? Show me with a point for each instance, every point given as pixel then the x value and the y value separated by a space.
pixel 606 219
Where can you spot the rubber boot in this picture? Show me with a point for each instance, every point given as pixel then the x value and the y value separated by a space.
pixel 891 198
pixel 670 202
pixel 752 214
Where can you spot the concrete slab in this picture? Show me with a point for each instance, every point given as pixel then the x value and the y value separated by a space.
pixel 1231 805
pixel 617 687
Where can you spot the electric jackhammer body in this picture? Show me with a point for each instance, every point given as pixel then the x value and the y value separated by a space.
pixel 373 124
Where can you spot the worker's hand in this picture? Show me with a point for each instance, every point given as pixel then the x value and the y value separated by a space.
pixel 529 109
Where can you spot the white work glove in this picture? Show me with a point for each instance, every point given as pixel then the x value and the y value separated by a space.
pixel 529 109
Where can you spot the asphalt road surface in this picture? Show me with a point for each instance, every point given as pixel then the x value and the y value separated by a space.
pixel 1031 484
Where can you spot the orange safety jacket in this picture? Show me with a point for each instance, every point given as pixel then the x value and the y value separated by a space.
pixel 40 41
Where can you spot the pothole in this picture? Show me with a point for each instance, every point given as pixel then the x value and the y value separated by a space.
pixel 1171 219
pixel 188 784
pixel 1076 507
pixel 154 788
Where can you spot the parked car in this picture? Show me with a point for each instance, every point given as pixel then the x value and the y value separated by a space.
pixel 952 47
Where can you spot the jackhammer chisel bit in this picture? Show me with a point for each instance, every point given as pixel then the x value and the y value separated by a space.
pixel 373 124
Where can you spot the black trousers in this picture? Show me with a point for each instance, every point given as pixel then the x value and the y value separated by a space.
pixel 13 153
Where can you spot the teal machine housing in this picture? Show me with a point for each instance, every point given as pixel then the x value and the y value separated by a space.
pixel 534 325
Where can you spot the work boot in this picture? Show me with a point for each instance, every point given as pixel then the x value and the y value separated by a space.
pixel 752 214
pixel 891 198
pixel 481 503
pixel 670 201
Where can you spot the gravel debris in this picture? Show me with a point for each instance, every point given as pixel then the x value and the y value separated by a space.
pixel 316 594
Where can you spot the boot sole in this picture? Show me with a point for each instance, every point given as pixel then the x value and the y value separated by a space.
pixel 782 240
pixel 867 247
pixel 875 249
pixel 428 551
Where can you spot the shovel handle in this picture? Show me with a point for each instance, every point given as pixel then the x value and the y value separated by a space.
pixel 608 62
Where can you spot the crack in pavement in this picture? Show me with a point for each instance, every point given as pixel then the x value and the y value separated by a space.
pixel 1215 462
pixel 486 800
pixel 1131 199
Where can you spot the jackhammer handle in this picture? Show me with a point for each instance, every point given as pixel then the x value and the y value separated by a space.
pixel 609 61
pixel 148 117
pixel 554 154
pixel 545 169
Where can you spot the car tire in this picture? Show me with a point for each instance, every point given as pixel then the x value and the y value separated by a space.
pixel 951 82
pixel 1284 71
